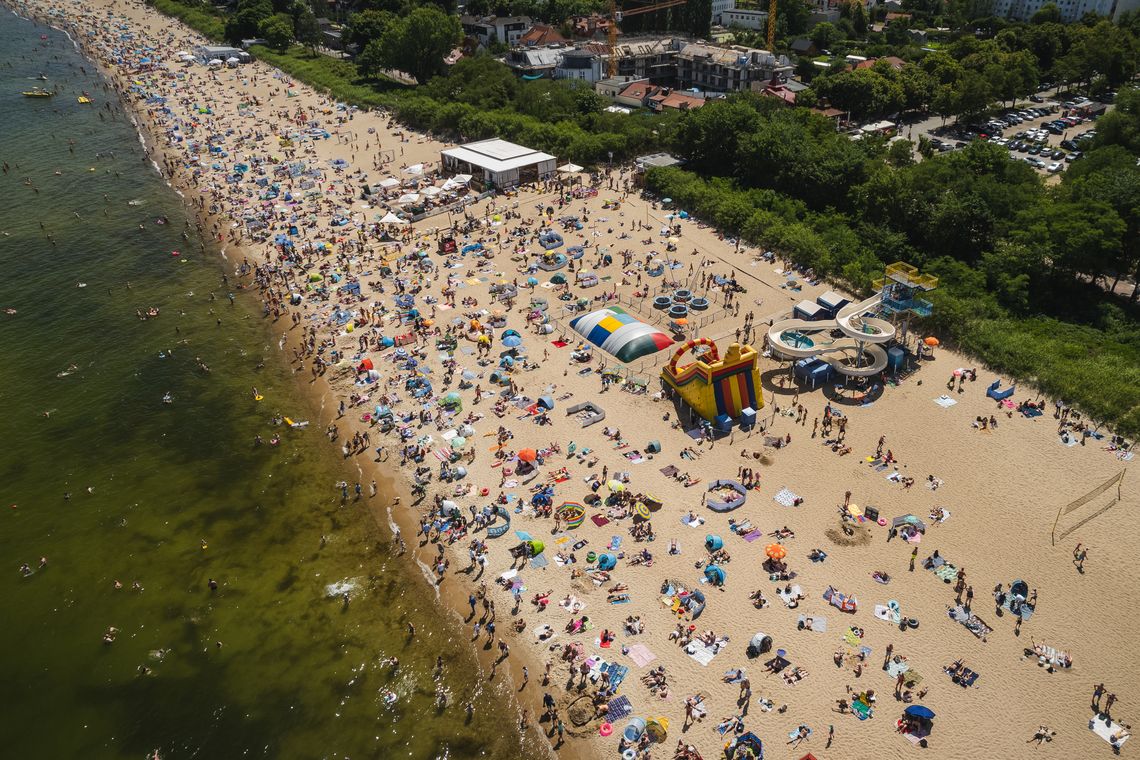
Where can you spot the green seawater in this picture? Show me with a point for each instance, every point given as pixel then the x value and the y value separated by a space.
pixel 173 494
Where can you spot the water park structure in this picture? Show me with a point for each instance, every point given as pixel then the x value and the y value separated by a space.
pixel 713 386
pixel 844 334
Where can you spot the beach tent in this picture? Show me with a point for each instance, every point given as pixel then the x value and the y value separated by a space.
pixel 415 169
pixel 407 198
pixel 715 575
pixel 607 561
pixel 760 644
pixel 658 729
pixel 747 746
pixel 388 183
pixel 620 334
pixel 391 218
pixel 713 542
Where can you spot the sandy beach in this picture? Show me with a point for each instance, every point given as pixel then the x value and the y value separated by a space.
pixel 988 498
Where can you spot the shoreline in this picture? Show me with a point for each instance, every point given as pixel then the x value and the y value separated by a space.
pixel 392 491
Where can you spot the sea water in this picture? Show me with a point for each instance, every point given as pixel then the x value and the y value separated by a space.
pixel 123 460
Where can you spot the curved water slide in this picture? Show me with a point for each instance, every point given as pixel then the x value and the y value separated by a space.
pixel 856 354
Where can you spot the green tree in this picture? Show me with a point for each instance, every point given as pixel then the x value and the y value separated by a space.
pixel 306 30
pixel 900 153
pixel 366 26
pixel 278 30
pixel 825 35
pixel 418 42
pixel 859 19
pixel 1048 14
pixel 245 22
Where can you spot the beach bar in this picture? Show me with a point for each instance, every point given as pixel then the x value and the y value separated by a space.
pixel 498 163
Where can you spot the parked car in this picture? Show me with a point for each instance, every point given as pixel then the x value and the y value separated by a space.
pixel 1054 168
pixel 1073 156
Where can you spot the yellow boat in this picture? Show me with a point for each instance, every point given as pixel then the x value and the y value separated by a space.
pixel 83 99
pixel 39 92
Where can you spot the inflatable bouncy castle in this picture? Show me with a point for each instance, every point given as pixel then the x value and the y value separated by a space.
pixel 713 386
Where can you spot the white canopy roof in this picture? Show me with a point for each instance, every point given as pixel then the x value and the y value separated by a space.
pixel 497 155
pixel 569 168
pixel 415 169
pixel 430 190
pixel 390 182
pixel 391 218
pixel 409 198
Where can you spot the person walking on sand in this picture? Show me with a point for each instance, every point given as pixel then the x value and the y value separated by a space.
pixel 913 557
pixel 1109 701
pixel 1098 692
pixel 1079 556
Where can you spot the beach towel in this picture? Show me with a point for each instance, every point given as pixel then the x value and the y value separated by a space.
pixel 818 623
pixel 1072 440
pixel 641 655
pixel 599 520
pixel 796 674
pixel 851 637
pixel 972 622
pixel 559 343
pixel 696 522
pixel 1105 728
pixel 946 572
pixel 785 497
pixel 619 707
pixel 789 596
pixel 862 710
pixel 945 401
pixel 523 535
pixel 669 471
pixel 539 562
pixel 884 613
pixel 897 667
pixel 755 534
pixel 700 653
pixel 615 543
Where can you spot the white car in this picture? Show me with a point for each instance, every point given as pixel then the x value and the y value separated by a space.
pixel 1054 167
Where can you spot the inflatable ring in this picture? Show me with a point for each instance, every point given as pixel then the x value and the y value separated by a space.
pixel 258 397
pixel 882 522
pixel 912 622
pixel 484 491
pixel 591 557
pixel 606 728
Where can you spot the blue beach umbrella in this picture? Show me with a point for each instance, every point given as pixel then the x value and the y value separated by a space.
pixel 919 711
pixel 512 341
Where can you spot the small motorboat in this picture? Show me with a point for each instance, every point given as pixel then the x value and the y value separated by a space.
pixel 84 99
pixel 38 92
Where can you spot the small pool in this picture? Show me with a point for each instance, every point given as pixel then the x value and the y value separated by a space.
pixel 796 339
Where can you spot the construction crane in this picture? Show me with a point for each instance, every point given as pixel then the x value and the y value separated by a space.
pixel 772 26
pixel 616 17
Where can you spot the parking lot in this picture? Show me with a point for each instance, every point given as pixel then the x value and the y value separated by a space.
pixel 1047 135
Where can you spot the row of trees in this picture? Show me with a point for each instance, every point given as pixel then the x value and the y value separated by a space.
pixel 965 78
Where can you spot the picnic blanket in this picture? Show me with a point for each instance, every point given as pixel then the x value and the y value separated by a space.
pixel 641 655
pixel 696 522
pixel 785 497
pixel 897 666
pixel 619 707
pixel 886 614
pixel 945 401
